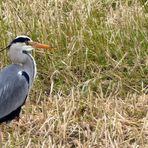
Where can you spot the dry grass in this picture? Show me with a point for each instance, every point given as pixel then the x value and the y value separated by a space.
pixel 91 90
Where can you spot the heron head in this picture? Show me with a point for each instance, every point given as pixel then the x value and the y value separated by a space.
pixel 21 46
pixel 25 44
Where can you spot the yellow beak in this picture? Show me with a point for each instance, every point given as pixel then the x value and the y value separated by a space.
pixel 38 45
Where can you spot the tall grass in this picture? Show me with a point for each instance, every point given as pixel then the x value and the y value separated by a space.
pixel 91 89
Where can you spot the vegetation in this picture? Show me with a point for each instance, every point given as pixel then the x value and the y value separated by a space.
pixel 91 89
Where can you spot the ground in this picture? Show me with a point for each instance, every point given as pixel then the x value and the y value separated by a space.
pixel 91 88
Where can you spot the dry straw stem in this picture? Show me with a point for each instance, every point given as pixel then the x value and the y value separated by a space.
pixel 91 91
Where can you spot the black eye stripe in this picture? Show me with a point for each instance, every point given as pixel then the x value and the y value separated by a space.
pixel 20 40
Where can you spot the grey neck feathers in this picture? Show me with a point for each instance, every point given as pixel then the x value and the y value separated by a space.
pixel 30 67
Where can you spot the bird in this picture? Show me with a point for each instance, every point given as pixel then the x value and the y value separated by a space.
pixel 17 78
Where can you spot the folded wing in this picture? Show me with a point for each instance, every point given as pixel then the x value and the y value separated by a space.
pixel 14 89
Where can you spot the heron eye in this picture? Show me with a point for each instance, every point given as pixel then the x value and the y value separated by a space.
pixel 27 43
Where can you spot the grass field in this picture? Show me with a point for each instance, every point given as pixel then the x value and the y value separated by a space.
pixel 92 87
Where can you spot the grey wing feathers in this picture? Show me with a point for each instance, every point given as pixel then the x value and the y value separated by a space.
pixel 13 89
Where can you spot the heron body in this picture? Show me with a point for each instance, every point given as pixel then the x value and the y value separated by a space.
pixel 16 79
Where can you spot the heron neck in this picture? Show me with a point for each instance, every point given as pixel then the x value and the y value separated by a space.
pixel 30 67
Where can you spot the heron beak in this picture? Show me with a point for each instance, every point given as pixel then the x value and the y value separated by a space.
pixel 38 45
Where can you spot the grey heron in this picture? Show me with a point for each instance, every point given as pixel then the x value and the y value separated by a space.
pixel 16 79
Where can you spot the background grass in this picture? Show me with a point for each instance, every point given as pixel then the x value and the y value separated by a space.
pixel 91 89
